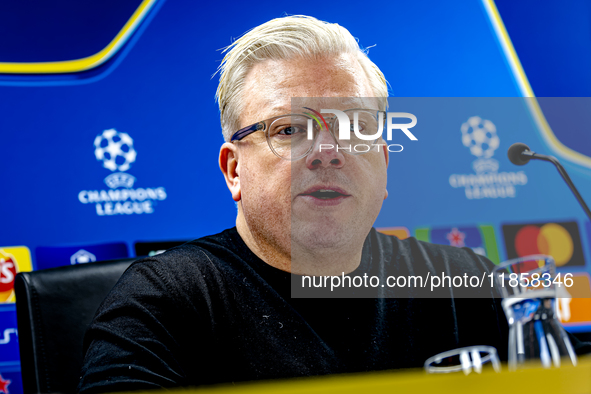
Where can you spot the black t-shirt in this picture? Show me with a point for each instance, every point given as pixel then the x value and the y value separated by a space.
pixel 210 311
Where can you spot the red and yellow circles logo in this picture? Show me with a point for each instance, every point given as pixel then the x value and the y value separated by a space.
pixel 550 239
pixel 12 261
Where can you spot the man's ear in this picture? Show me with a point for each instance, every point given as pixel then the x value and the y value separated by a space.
pixel 229 167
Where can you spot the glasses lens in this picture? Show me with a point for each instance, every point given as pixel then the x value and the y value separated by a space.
pixel 288 136
pixel 364 130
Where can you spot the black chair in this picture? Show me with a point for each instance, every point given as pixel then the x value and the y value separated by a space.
pixel 54 307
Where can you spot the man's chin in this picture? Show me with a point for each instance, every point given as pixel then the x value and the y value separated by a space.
pixel 312 237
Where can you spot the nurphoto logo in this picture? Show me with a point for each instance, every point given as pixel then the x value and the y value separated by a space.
pixel 367 127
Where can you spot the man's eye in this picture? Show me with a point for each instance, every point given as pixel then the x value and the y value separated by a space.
pixel 291 130
pixel 360 125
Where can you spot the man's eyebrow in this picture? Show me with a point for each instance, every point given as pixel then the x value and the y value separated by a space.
pixel 281 110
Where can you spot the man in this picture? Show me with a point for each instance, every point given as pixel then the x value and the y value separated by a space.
pixel 219 309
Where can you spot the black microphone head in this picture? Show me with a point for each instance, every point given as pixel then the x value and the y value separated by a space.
pixel 515 154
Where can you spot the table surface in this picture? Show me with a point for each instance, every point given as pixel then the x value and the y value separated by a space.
pixel 532 379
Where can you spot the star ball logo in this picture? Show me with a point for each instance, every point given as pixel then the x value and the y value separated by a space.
pixel 345 126
pixel 561 240
pixel 115 151
pixel 481 138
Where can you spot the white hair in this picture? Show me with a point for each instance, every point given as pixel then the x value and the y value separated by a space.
pixel 281 39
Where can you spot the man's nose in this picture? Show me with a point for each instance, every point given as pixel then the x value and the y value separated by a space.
pixel 325 152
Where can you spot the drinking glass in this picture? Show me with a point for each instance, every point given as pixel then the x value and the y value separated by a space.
pixel 528 286
pixel 464 359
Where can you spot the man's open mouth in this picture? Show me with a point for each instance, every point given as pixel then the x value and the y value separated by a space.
pixel 325 194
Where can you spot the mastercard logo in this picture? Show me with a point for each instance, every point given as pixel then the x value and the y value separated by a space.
pixel 550 239
pixel 559 240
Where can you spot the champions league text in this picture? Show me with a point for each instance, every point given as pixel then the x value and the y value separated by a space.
pixel 123 201
pixel 434 282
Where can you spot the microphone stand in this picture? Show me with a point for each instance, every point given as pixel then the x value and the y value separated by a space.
pixel 563 173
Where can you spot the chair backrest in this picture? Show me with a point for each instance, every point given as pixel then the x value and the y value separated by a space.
pixel 54 307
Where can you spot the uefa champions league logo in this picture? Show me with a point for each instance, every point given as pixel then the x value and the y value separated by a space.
pixel 114 149
pixel 480 137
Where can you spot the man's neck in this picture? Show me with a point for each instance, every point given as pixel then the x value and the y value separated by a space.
pixel 329 261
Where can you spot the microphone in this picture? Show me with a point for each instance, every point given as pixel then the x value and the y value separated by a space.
pixel 520 154
pixel 515 151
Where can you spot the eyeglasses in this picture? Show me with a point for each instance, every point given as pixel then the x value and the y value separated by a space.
pixel 288 135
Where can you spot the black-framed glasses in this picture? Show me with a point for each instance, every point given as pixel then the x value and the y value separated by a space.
pixel 292 136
